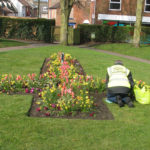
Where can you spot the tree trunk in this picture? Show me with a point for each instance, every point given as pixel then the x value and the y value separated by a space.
pixel 137 26
pixel 66 6
pixel 38 8
pixel 64 29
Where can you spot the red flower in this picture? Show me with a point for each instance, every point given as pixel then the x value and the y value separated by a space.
pixel 38 109
pixel 46 108
pixel 59 108
pixel 96 105
pixel 26 90
pixel 58 94
pixel 47 114
pixel 91 114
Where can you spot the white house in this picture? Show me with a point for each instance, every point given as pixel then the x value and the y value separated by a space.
pixel 25 9
pixel 7 8
pixel 20 7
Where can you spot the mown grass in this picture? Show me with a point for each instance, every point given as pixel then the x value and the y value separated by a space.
pixel 129 131
pixel 127 49
pixel 10 43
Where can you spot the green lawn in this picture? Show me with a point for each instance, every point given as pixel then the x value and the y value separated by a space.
pixel 129 131
pixel 127 49
pixel 10 43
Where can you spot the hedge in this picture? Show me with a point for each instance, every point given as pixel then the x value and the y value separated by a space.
pixel 29 29
pixel 104 33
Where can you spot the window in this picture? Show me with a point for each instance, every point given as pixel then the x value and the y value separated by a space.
pixel 45 8
pixel 147 5
pixel 115 5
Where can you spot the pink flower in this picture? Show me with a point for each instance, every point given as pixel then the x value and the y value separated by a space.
pixel 67 80
pixel 26 90
pixel 38 109
pixel 18 77
pixel 62 92
pixel 69 91
pixel 65 92
pixel 32 90
pixel 53 105
pixel 72 94
pixel 6 77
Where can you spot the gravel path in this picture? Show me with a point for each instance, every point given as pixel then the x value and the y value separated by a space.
pixel 117 54
pixel 34 44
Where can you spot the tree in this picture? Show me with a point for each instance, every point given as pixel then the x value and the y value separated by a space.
pixel 38 8
pixel 137 26
pixel 66 6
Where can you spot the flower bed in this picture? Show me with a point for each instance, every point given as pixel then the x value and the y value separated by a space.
pixel 68 88
pixel 62 89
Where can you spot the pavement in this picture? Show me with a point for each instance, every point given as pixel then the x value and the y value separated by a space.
pixel 31 44
pixel 34 44
pixel 117 54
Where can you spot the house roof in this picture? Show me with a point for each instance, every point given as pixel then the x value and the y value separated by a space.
pixel 25 3
pixel 55 6
pixel 7 10
pixel 7 6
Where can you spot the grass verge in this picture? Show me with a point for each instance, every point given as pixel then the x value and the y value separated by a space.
pixel 10 43
pixel 130 129
pixel 127 49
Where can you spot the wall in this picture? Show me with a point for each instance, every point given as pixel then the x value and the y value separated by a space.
pixel 43 14
pixel 81 13
pixel 19 6
pixel 51 11
pixel 128 7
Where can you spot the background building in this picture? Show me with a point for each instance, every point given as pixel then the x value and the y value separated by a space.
pixel 120 12
pixel 43 8
pixel 7 8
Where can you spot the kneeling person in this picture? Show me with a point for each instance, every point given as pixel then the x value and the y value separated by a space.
pixel 119 83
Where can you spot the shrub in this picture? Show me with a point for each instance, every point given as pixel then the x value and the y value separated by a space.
pixel 32 29
pixel 104 33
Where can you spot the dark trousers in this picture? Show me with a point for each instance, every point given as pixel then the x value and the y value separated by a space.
pixel 113 97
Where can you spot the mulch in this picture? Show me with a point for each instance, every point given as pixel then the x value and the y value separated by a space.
pixel 102 112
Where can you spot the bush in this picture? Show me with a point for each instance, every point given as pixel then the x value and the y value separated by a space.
pixel 120 34
pixel 32 29
pixel 104 33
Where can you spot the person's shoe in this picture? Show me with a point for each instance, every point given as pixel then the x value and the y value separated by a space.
pixel 119 101
pixel 130 104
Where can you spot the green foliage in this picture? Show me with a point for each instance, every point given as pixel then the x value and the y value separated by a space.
pixel 120 34
pixel 32 29
pixel 104 33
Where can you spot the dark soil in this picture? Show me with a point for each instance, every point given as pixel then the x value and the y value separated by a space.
pixel 101 113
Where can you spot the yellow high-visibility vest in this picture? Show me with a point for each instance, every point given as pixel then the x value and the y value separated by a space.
pixel 118 76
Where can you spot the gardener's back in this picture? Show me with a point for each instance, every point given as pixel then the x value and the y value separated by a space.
pixel 119 83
